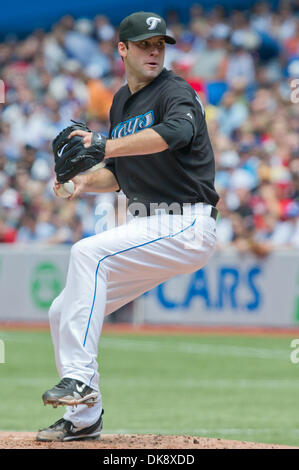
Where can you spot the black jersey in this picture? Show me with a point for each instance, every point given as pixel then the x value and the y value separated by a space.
pixel 184 172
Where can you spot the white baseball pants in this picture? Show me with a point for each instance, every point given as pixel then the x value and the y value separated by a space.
pixel 109 270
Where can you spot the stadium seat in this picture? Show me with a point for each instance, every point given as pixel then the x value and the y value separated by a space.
pixel 215 91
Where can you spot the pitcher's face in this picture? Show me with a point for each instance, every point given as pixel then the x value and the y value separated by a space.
pixel 144 59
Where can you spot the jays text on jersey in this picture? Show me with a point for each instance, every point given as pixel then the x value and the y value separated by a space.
pixel 184 172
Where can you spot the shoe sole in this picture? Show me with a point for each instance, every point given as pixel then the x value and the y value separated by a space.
pixel 89 400
pixel 82 437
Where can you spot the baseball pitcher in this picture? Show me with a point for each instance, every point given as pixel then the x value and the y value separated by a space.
pixel 159 154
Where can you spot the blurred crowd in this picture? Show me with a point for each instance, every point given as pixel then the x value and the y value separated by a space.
pixel 244 65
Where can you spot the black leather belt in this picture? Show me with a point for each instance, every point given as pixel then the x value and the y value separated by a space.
pixel 146 210
pixel 214 213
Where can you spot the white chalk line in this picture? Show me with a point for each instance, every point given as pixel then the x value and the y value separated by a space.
pixel 181 347
pixel 241 383
pixel 191 348
pixel 206 383
pixel 208 432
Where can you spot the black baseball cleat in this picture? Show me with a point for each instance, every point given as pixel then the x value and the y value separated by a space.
pixel 70 392
pixel 64 430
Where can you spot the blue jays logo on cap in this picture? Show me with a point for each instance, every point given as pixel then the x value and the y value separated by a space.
pixel 153 22
pixel 143 25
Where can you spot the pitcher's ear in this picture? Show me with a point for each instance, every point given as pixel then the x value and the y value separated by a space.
pixel 122 49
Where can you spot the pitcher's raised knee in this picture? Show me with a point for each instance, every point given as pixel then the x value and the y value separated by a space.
pixel 85 248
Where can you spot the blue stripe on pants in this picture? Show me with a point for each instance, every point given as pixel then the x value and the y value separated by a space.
pixel 122 251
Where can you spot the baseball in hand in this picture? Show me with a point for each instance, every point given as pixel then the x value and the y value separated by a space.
pixel 66 189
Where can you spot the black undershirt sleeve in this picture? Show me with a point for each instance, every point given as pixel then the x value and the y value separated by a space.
pixel 177 133
pixel 178 118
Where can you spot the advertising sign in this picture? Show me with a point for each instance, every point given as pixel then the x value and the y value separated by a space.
pixel 230 290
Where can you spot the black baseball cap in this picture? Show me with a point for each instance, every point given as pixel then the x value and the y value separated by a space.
pixel 143 25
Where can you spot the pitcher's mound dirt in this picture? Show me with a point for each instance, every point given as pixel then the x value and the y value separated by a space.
pixel 26 440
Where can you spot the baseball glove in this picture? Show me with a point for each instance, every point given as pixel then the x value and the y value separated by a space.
pixel 71 157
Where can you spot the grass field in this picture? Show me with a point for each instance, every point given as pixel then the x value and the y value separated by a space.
pixel 233 387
